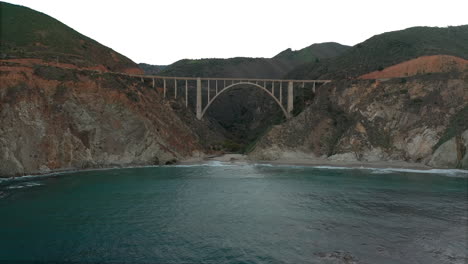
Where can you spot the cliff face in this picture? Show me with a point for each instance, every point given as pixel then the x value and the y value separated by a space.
pixel 55 118
pixel 421 119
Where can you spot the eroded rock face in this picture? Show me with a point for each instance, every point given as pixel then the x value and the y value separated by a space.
pixel 393 120
pixel 83 121
pixel 452 154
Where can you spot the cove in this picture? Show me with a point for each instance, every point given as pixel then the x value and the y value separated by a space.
pixel 224 213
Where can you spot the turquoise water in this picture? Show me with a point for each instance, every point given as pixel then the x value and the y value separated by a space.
pixel 236 214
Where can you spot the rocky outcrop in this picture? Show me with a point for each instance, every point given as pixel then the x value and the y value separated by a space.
pixel 54 118
pixel 453 153
pixel 422 119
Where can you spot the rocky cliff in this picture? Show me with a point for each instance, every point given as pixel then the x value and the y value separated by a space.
pixel 55 118
pixel 65 105
pixel 422 119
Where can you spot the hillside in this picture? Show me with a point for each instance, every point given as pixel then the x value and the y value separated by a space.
pixel 420 119
pixel 312 53
pixel 421 65
pixel 242 67
pixel 388 49
pixel 151 69
pixel 26 33
pixel 233 67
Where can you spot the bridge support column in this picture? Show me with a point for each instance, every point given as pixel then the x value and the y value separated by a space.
pixel 199 99
pixel 175 88
pixel 208 91
pixel 281 93
pixel 186 94
pixel 290 98
pixel 164 85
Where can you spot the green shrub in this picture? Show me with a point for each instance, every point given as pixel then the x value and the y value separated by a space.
pixel 232 146
pixel 55 73
pixel 14 92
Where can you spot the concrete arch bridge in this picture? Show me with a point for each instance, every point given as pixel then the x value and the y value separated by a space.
pixel 214 87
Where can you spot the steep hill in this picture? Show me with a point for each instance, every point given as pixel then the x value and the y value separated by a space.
pixel 26 33
pixel 420 119
pixel 73 113
pixel 388 49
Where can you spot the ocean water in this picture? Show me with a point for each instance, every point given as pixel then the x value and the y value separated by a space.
pixel 221 213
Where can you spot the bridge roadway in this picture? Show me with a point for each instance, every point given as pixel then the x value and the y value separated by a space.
pixel 217 86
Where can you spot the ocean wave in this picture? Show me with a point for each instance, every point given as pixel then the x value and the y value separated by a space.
pixel 213 163
pixel 24 185
pixel 446 172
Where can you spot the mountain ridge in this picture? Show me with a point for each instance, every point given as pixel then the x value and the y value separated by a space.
pixel 387 49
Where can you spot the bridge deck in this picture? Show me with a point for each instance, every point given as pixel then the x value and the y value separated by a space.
pixel 226 79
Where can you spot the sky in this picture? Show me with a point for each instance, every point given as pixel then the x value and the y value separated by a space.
pixel 162 32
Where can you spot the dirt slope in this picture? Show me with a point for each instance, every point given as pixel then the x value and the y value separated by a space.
pixel 421 65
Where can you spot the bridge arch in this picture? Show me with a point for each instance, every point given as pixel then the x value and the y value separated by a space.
pixel 286 114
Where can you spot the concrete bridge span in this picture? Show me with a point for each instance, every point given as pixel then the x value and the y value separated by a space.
pixel 214 87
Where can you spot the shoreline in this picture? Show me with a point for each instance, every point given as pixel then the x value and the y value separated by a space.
pixel 312 162
pixel 240 159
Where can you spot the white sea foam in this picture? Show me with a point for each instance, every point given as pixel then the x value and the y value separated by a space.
pixel 376 171
pixel 24 185
pixel 446 172
pixel 213 163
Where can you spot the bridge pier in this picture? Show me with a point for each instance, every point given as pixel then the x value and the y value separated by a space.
pixel 281 93
pixel 199 99
pixel 186 94
pixel 290 98
pixel 208 90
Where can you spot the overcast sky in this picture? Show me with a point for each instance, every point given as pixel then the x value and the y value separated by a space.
pixel 164 31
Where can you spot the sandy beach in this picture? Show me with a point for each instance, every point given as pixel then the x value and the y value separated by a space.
pixel 242 159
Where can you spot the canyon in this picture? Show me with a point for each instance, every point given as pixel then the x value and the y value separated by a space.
pixel 76 106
